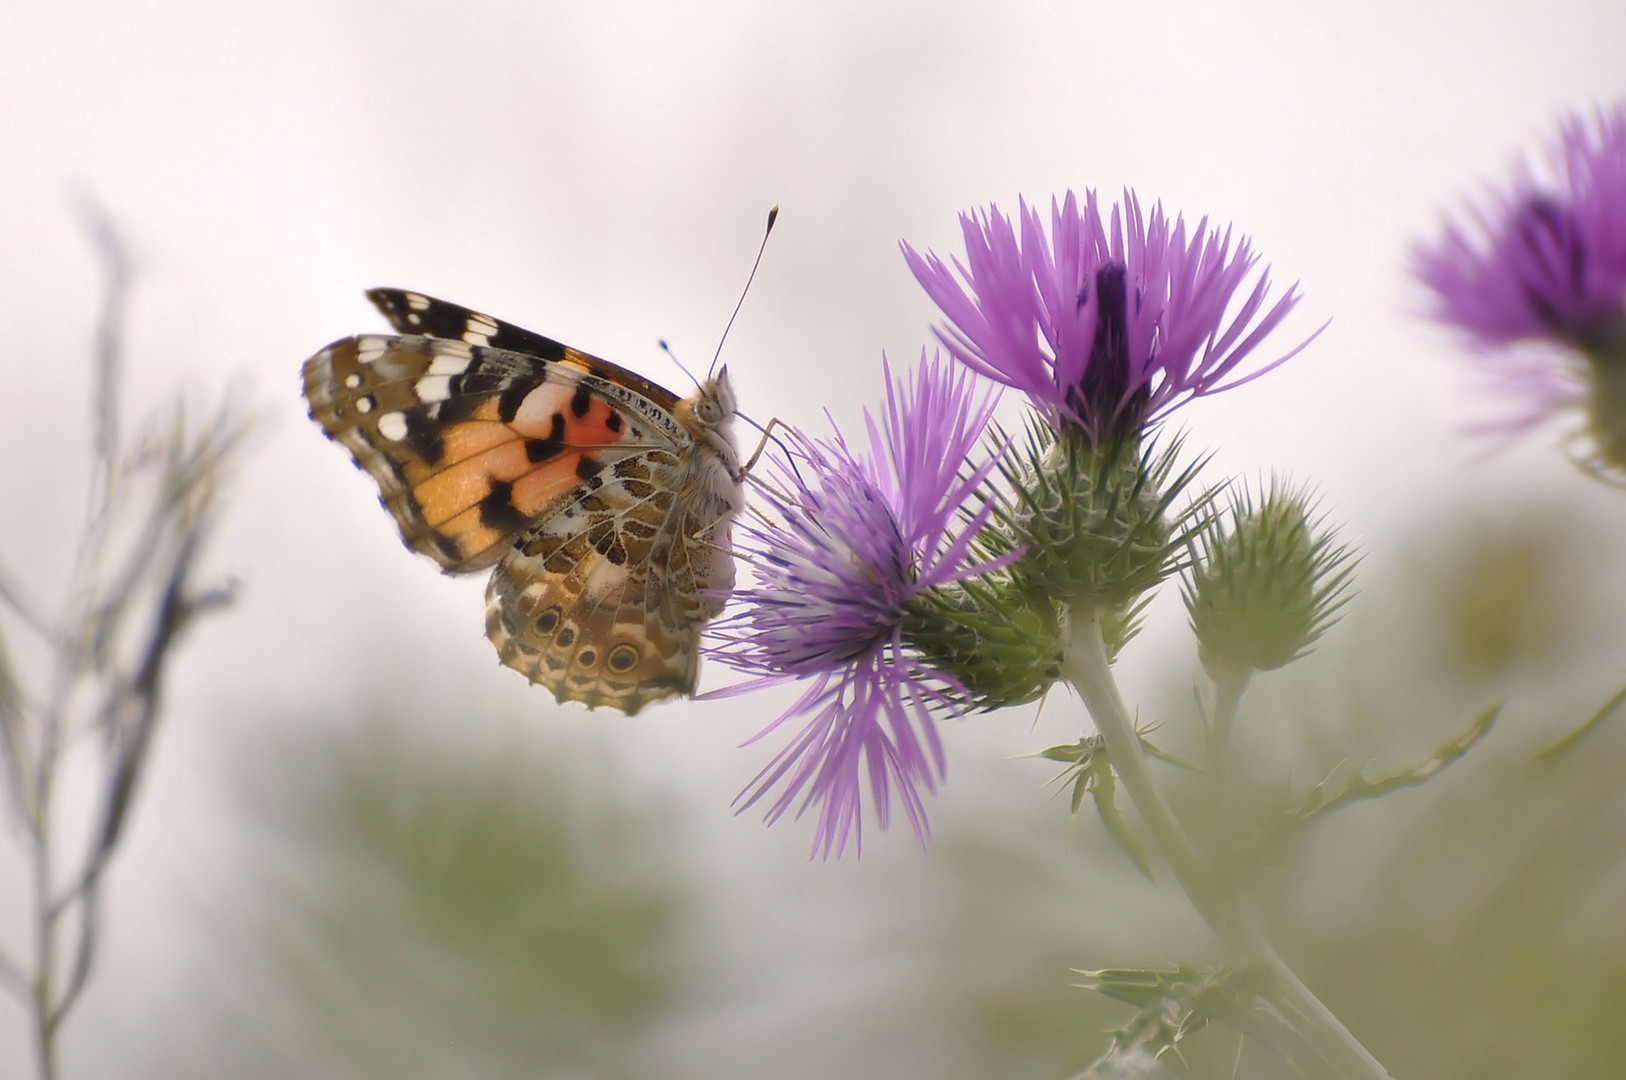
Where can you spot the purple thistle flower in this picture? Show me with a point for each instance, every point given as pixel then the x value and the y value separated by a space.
pixel 846 542
pixel 1105 329
pixel 1543 262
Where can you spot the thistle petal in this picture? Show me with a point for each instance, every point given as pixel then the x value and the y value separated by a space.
pixel 1105 327
pixel 842 542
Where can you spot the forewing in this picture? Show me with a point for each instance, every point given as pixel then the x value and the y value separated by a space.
pixel 415 313
pixel 470 444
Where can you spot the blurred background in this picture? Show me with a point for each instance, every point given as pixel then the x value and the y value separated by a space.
pixel 362 849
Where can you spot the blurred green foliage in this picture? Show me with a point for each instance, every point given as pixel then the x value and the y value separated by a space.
pixel 1470 927
pixel 480 916
pixel 513 915
pixel 1504 592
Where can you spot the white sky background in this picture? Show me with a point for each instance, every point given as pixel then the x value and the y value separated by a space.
pixel 600 173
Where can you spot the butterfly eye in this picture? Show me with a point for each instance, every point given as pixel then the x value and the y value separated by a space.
pixel 707 411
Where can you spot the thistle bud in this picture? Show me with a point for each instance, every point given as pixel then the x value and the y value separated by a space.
pixel 1265 583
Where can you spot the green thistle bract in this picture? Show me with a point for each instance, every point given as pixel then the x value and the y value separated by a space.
pixel 1098 523
pixel 1002 642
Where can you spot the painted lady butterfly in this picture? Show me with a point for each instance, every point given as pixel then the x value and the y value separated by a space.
pixel 604 501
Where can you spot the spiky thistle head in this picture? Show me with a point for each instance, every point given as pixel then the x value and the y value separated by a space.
pixel 1265 582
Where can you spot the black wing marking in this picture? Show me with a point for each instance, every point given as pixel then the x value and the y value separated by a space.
pixel 415 313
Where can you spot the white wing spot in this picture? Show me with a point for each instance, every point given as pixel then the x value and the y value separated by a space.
pixel 434 388
pixel 393 426
pixel 478 330
pixel 364 405
pixel 369 349
pixel 449 363
pixel 417 301
pixel 606 576
pixel 352 381
pixel 536 412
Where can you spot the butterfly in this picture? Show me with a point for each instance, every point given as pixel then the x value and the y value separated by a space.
pixel 603 501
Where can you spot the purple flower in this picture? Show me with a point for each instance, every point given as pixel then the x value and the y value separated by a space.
pixel 1543 264
pixel 1105 329
pixel 846 541
pixel 1544 261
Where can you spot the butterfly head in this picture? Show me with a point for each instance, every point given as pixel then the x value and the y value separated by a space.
pixel 709 417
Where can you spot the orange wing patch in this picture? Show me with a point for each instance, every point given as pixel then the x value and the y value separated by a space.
pixel 559 436
pixel 468 444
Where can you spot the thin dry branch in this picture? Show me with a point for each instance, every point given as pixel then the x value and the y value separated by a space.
pixel 149 595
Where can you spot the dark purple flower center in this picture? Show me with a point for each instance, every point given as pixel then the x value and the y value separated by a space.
pixel 1553 241
pixel 1109 398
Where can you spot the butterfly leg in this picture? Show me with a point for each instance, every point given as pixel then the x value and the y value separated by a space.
pixel 762 444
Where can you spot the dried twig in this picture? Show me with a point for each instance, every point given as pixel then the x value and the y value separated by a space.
pixel 149 594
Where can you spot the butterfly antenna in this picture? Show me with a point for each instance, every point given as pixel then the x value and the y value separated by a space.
pixel 773 216
pixel 667 349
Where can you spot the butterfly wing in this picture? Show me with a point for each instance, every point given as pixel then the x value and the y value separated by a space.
pixel 470 444
pixel 603 601
pixel 415 313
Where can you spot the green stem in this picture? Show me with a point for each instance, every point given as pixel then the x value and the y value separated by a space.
pixel 1228 689
pixel 1086 666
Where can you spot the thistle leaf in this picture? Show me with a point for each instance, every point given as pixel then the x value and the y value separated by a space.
pixel 1105 789
pixel 1330 794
